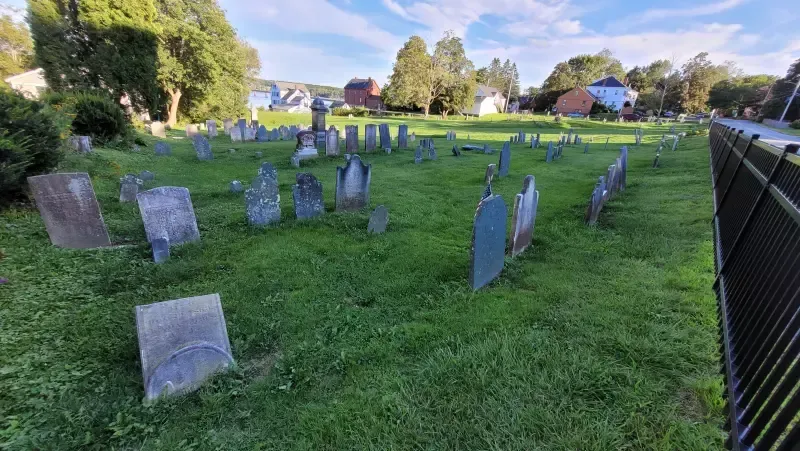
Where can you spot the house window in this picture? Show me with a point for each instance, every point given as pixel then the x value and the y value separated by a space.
pixel 583 103
pixel 576 93
pixel 604 91
pixel 564 102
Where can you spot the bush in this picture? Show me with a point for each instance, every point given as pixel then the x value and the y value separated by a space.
pixel 795 124
pixel 358 111
pixel 30 143
pixel 93 114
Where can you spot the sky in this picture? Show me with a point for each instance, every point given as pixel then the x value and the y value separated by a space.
pixel 331 41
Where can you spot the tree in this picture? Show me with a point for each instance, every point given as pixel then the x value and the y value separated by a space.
pixel 406 86
pixel 699 75
pixel 582 70
pixel 459 96
pixel 744 91
pixel 16 46
pixel 781 91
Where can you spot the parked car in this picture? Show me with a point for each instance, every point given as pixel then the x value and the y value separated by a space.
pixel 575 114
pixel 701 115
pixel 669 114
pixel 631 117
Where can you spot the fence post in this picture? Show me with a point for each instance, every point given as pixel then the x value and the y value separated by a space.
pixel 720 151
pixel 722 166
pixel 735 171
pixel 723 138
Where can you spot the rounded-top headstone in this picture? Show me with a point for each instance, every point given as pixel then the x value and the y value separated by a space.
pixel 318 105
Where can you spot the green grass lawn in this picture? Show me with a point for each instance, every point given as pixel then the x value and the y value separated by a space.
pixel 596 338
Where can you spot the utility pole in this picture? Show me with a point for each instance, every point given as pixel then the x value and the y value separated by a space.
pixel 791 99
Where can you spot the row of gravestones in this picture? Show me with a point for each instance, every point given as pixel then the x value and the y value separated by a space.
pixel 607 186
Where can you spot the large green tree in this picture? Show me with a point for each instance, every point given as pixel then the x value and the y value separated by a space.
pixel 745 91
pixel 580 70
pixel 698 76
pixel 16 47
pixel 780 94
pixel 503 76
pixel 406 86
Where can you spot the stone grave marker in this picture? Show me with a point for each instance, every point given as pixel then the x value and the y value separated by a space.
pixel 157 129
pixel 129 186
pixel 369 137
pixel 413 136
pixel 236 187
pixel 167 212
pixel 352 185
pixel 378 220
pixel 548 157
pixel 163 149
pixel 595 203
pixel 81 144
pixel 505 160
pixel 191 130
pixel 202 147
pixel 674 143
pixel 69 209
pixel 249 134
pixel 227 125
pixel 523 217
pixel 456 151
pixel 241 124
pixel 332 142
pixel 307 196
pixel 160 250
pixel 182 343
pixel 488 248
pixel 623 156
pixel 262 202
pixel 267 170
pixel 351 145
pixel 263 134
pixel 211 126
pixel 418 155
pixel 386 136
pixel 284 132
pixel 487 150
pixel 274 135
pixel 431 152
pixel 147 176
pixel 490 171
pixel 586 148
pixel 402 137
pixel 487 191
pixel 305 148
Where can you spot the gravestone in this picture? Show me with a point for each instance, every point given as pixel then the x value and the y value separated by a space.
pixel 295 160
pixel 160 250
pixel 262 202
pixel 211 126
pixel 537 140
pixel 129 186
pixel 623 179
pixel 351 146
pixel 157 129
pixel 307 196
pixel 523 217
pixel 275 135
pixel 386 137
pixel 293 131
pixel 249 134
pixel 413 136
pixel 81 144
pixel 378 220
pixel 548 156
pixel 490 171
pixel 69 210
pixel 263 134
pixel 305 147
pixel 674 143
pixel 267 170
pixel 418 155
pixel 487 150
pixel 488 248
pixel 202 147
pixel 431 152
pixel 163 149
pixel 456 152
pixel 283 132
pixel 595 203
pixel 227 125
pixel 254 124
pixel 505 160
pixel 241 124
pixel 487 191
pixel 402 137
pixel 352 185
pixel 259 154
pixel 318 113
pixel 167 212
pixel 369 137
pixel 236 187
pixel 182 343
pixel 191 130
pixel 147 176
pixel 332 142
pixel 586 149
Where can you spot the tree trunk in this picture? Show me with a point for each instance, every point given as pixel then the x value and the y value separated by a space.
pixel 175 98
pixel 426 109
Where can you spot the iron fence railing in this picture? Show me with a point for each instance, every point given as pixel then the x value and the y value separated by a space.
pixel 756 190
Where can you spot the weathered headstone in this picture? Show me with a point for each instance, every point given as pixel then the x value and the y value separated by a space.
pixel 523 217
pixel 595 203
pixel 69 210
pixel 431 152
pixel 163 149
pixel 413 136
pixel 490 171
pixel 674 143
pixel 548 156
pixel 456 151
pixel 202 147
pixel 147 176
pixel 487 150
pixel 241 124
pixel 81 144
pixel 263 134
pixel 211 126
pixel 249 134
pixel 505 160
pixel 352 185
pixel 236 187
pixel 182 343
pixel 386 137
pixel 307 196
pixel 267 170
pixel 283 131
pixel 623 175
pixel 305 147
pixel 369 137
pixel 167 212
pixel 157 129
pixel 351 146
pixel 418 155
pixel 332 142
pixel 129 186
pixel 262 202
pixel 275 135
pixel 378 220
pixel 586 149
pixel 191 130
pixel 402 137
pixel 227 125
pixel 160 250
pixel 487 253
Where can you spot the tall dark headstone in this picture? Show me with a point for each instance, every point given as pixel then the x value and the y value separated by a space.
pixel 370 138
pixel 318 113
pixel 488 242
pixel 505 160
pixel 386 136
pixel 307 196
pixel 352 185
pixel 263 134
pixel 402 137
pixel 523 217
pixel 351 146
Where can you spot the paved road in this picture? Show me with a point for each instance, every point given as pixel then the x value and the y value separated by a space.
pixel 768 135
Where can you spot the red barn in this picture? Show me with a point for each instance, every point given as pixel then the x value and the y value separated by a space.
pixel 576 100
pixel 363 92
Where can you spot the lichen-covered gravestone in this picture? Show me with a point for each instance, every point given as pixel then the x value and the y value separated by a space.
pixel 129 186
pixel 490 171
pixel 241 124
pixel 307 196
pixel 227 125
pixel 488 242
pixel 505 160
pixel 262 202
pixel 235 187
pixel 157 129
pixel 369 137
pixel 418 155
pixel 352 185
pixel 211 126
pixel 332 142
pixel 523 217
pixel 202 147
pixel 69 210
pixel 182 343
pixel 351 146
pixel 191 130
pixel 167 212
pixel 263 135
pixel 275 135
pixel 402 137
pixel 386 136
pixel 163 149
pixel 81 144
pixel 456 151
pixel 378 220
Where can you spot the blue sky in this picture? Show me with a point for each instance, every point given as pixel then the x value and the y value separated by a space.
pixel 331 41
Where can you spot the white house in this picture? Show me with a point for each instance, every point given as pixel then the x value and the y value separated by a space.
pixel 31 84
pixel 296 97
pixel 487 100
pixel 612 92
pixel 259 98
pixel 281 88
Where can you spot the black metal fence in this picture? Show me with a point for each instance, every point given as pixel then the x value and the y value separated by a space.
pixel 757 260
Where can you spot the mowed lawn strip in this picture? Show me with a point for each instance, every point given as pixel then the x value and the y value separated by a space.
pixel 595 338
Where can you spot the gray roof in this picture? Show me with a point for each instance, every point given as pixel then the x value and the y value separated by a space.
pixel 284 85
pixel 489 90
pixel 609 82
pixel 358 83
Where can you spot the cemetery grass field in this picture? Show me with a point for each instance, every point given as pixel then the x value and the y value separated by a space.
pixel 595 338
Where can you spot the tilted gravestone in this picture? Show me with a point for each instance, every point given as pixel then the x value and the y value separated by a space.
pixel 211 126
pixel 182 343
pixel 370 137
pixel 523 217
pixel 378 220
pixel 129 186
pixel 163 149
pixel 386 136
pixel 167 212
pixel 351 146
pixel 402 137
pixel 488 248
pixel 307 196
pixel 490 171
pixel 191 130
pixel 202 147
pixel 505 160
pixel 418 155
pixel 456 151
pixel 595 202
pixel 487 150
pixel 227 125
pixel 352 185
pixel 263 134
pixel 431 152
pixel 332 142
pixel 69 210
pixel 262 202
pixel 623 176
pixel 157 129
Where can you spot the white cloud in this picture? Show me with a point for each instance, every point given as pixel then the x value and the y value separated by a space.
pixel 396 8
pixel 568 26
pixel 653 15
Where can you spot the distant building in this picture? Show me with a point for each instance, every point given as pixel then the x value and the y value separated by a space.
pixel 363 92
pixel 281 88
pixel 339 104
pixel 296 97
pixel 576 100
pixel 487 100
pixel 612 92
pixel 30 84
pixel 259 98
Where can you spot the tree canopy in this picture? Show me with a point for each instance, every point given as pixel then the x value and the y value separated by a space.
pixel 16 47
pixel 780 94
